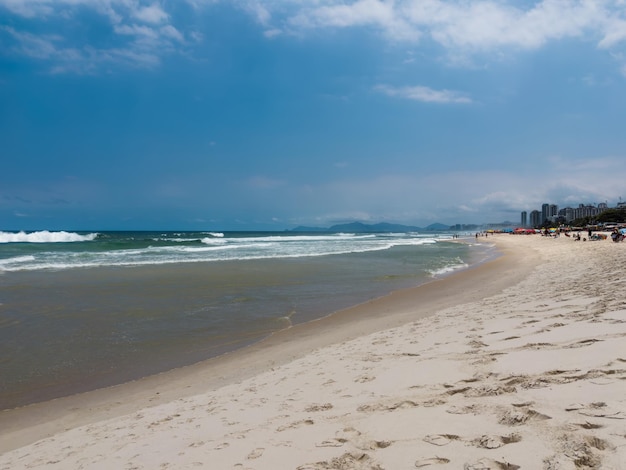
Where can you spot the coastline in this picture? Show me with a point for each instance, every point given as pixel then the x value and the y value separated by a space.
pixel 76 330
pixel 417 375
pixel 25 424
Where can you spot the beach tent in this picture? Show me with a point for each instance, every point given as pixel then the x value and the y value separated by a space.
pixel 524 231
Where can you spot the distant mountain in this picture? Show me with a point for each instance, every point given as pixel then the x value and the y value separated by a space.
pixel 303 228
pixel 437 228
pixel 358 227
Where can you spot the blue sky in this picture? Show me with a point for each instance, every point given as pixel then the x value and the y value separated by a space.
pixel 252 114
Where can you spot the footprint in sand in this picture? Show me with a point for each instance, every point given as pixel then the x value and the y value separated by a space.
pixel 461 410
pixel 493 442
pixel 357 439
pixel 332 443
pixel 588 425
pixel 431 461
pixel 295 424
pixel 316 407
pixel 440 439
pixel 256 453
pixel 597 410
pixel 489 464
pixel 519 417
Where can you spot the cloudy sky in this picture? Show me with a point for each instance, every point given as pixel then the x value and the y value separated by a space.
pixel 267 114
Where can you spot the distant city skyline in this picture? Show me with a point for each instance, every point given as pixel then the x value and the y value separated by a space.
pixel 552 212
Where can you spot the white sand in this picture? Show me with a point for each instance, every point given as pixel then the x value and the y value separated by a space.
pixel 532 377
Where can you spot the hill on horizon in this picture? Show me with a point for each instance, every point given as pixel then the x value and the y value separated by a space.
pixel 383 227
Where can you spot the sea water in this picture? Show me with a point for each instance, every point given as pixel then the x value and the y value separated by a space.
pixel 79 311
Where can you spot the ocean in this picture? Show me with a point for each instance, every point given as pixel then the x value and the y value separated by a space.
pixel 84 310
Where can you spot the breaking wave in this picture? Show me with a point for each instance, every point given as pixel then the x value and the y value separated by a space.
pixel 45 236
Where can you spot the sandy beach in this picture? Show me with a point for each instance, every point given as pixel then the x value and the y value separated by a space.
pixel 518 363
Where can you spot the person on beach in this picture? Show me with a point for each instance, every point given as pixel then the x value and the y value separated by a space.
pixel 616 236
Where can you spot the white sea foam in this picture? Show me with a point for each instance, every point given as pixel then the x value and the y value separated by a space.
pixel 448 269
pixel 180 248
pixel 303 238
pixel 213 241
pixel 45 237
pixel 7 264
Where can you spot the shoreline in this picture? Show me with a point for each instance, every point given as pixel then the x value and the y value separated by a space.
pixel 518 363
pixel 31 422
pixel 148 320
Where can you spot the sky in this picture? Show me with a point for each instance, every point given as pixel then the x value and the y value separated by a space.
pixel 270 114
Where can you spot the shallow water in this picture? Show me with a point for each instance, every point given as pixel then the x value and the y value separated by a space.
pixel 71 330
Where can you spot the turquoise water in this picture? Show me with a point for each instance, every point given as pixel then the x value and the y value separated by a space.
pixel 79 311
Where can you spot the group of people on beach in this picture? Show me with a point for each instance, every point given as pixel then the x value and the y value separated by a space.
pixel 617 235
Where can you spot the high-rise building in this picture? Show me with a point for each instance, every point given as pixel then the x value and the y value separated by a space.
pixel 524 219
pixel 545 213
pixel 551 213
pixel 535 217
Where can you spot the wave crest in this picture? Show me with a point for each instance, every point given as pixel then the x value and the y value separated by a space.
pixel 45 236
pixel 445 270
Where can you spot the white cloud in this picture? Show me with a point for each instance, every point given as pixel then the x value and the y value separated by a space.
pixel 151 14
pixel 28 8
pixel 614 33
pixel 31 45
pixel 424 94
pixel 133 57
pixel 381 14
pixel 258 9
pixel 144 33
pixel 270 33
pixel 136 30
pixel 488 25
pixel 465 28
pixel 171 32
pixel 359 13
pixel 482 24
pixel 461 27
